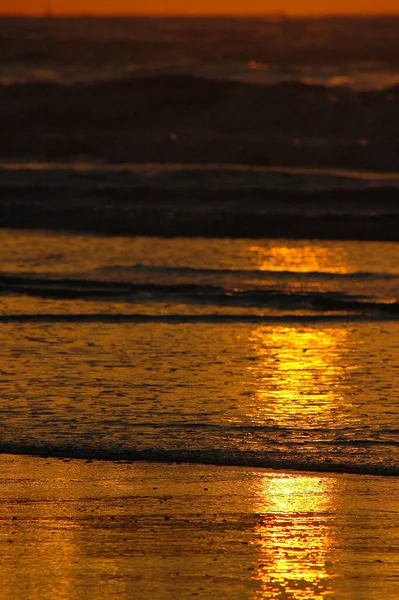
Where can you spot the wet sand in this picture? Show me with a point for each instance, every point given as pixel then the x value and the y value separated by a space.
pixel 81 529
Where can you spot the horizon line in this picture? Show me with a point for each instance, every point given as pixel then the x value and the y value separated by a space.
pixel 277 15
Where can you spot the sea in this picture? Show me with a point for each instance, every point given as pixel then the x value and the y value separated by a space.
pixel 199 257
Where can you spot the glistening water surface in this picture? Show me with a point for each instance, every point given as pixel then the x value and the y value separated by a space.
pixel 270 353
pixel 46 273
pixel 314 396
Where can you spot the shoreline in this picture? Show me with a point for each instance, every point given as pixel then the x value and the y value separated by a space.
pixel 188 459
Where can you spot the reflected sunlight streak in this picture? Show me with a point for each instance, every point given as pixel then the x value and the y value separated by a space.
pixel 295 536
pixel 300 374
pixel 300 257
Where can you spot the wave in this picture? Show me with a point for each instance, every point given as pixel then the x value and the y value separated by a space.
pixel 365 215
pixel 192 199
pixel 193 176
pixel 179 318
pixel 188 293
pixel 202 119
pixel 202 88
pixel 255 49
pixel 216 456
pixel 152 77
pixel 256 273
pixel 282 191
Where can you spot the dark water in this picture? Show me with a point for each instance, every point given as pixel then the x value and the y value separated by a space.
pixel 310 92
pixel 201 127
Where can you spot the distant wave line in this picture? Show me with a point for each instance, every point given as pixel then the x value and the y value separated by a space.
pixel 275 273
pixel 194 294
pixel 175 319
pixel 195 76
pixel 83 166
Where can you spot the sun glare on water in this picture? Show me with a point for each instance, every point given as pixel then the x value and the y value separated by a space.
pixel 295 536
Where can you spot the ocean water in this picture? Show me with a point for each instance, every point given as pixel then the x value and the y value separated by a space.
pixel 218 127
pixel 199 254
pixel 272 353
pixel 272 91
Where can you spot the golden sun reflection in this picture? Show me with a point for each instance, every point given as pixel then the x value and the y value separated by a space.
pixel 295 536
pixel 300 374
pixel 301 386
pixel 301 257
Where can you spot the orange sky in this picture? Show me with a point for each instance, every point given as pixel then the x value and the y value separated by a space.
pixel 199 6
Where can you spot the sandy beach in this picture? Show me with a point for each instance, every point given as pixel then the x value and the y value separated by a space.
pixel 80 529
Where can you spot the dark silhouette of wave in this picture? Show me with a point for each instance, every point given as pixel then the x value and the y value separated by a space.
pixel 184 118
pixel 199 294
pixel 340 459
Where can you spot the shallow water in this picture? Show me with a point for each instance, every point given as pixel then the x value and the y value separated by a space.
pixel 52 273
pixel 315 396
pixel 228 351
